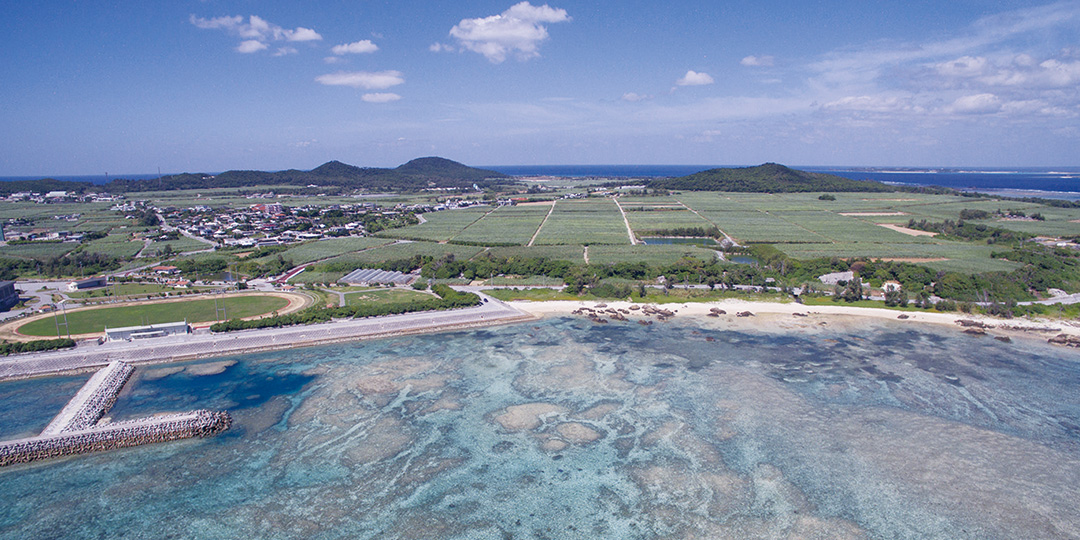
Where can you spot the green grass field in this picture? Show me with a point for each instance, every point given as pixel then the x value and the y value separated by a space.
pixel 507 225
pixel 115 245
pixel 588 221
pixel 201 310
pixel 38 251
pixel 386 296
pixel 325 249
pixel 651 255
pixel 440 226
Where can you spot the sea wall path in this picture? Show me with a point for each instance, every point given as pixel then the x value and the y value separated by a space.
pixel 92 356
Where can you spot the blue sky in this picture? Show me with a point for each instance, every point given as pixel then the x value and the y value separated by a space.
pixel 128 86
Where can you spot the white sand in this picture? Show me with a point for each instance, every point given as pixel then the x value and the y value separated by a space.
pixel 731 306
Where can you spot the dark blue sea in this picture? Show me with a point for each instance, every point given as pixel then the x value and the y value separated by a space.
pixel 1050 182
pixel 767 427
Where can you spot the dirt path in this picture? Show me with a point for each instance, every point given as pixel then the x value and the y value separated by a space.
pixel 8 331
pixel 711 222
pixel 629 231
pixel 537 233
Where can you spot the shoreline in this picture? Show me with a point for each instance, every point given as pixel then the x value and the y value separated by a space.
pixel 775 317
pixel 1042 328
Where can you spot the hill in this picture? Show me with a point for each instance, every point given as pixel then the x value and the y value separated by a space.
pixel 415 175
pixel 767 178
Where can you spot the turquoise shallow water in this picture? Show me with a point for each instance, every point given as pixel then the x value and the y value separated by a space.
pixel 769 428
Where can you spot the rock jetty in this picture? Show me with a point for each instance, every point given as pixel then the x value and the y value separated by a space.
pixel 78 428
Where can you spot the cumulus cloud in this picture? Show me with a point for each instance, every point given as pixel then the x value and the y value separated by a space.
pixel 519 31
pixel 379 80
pixel 283 51
pixel 634 98
pixel 380 97
pixel 976 104
pixel 251 46
pixel 256 33
pixel 758 61
pixel 356 47
pixel 693 78
pixel 441 47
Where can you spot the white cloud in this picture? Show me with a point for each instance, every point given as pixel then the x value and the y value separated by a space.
pixel 378 80
pixel 227 23
pixel 693 78
pixel 251 46
pixel 357 47
pixel 976 104
pixel 965 66
pixel 283 51
pixel 380 97
pixel 257 33
pixel 302 34
pixel 518 30
pixel 441 47
pixel 333 60
pixel 758 61
pixel 877 104
pixel 634 98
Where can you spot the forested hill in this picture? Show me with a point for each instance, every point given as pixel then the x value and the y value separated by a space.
pixel 415 175
pixel 767 178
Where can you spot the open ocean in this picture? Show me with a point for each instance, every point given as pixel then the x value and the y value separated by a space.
pixel 1053 182
pixel 764 427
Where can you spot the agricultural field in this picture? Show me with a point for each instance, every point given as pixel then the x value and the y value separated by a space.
pixel 643 222
pixel 844 229
pixel 38 251
pixel 439 226
pixel 759 227
pixel 940 255
pixel 325 249
pixel 319 273
pixel 588 221
pixel 574 254
pixel 202 310
pixel 651 255
pixel 180 245
pixel 506 225
pixel 115 245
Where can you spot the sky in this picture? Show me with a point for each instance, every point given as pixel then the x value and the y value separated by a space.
pixel 94 87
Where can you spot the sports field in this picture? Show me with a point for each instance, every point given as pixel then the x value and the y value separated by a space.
pixel 95 320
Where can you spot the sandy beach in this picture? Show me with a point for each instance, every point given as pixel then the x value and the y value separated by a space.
pixel 837 314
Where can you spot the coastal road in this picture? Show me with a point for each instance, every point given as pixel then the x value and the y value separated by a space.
pixel 90 355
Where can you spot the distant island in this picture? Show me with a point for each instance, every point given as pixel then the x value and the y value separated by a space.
pixel 766 178
pixel 418 174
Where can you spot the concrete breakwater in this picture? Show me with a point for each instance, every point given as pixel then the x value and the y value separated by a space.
pixel 78 429
pixel 201 423
pixel 93 400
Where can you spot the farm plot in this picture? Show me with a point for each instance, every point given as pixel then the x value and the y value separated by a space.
pixel 325 249
pixel 950 208
pixel 958 256
pixel 584 222
pixel 439 226
pixel 574 254
pixel 759 227
pixel 846 229
pixel 180 245
pixel 642 222
pixel 38 251
pixel 707 201
pixel 509 225
pixel 115 245
pixel 404 250
pixel 651 255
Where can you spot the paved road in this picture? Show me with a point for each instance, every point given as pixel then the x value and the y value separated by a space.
pixel 194 346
